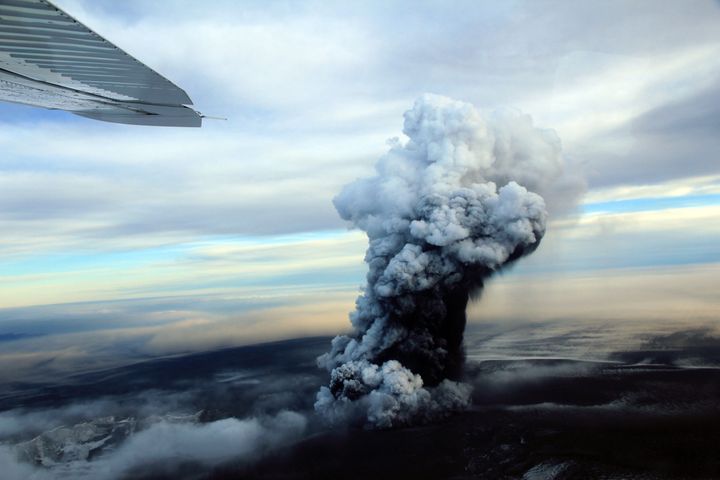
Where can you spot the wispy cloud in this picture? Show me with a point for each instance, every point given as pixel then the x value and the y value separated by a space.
pixel 674 293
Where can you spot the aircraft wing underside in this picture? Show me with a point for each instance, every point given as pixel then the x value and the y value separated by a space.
pixel 48 59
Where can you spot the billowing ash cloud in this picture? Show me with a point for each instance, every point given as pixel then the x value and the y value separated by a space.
pixel 449 207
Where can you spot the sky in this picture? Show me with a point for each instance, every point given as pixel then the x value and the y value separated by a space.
pixel 127 242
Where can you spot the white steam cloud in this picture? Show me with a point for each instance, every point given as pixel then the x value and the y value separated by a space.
pixel 460 199
pixel 207 444
pixel 160 449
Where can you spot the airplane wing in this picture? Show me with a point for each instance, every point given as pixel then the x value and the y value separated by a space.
pixel 48 59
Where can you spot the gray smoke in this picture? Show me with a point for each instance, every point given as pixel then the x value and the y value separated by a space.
pixel 455 203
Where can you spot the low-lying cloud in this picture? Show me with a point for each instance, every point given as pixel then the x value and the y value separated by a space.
pixel 167 447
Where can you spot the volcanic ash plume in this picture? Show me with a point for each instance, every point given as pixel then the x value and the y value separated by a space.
pixel 446 210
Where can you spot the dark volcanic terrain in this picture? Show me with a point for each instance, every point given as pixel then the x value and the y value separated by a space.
pixel 548 403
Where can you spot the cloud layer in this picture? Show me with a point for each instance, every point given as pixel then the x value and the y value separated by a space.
pixel 167 448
